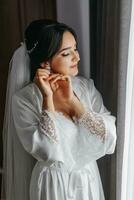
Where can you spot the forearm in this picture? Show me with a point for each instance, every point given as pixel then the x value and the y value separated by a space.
pixel 91 120
pixel 48 103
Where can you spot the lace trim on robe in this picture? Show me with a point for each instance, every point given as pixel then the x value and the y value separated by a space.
pixel 95 123
pixel 48 127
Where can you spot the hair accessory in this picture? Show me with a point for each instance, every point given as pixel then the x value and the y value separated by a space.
pixel 32 49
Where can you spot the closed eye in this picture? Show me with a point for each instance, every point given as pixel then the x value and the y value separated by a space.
pixel 67 54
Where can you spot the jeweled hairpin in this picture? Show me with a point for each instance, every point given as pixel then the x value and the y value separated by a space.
pixel 32 49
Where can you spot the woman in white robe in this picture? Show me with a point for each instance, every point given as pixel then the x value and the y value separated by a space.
pixel 61 121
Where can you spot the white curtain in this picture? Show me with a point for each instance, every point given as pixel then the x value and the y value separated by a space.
pixel 127 169
pixel 127 187
pixel 76 14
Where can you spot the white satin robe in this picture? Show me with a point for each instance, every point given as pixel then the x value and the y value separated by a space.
pixel 65 169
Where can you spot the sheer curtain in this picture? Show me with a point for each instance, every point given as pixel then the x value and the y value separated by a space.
pixel 125 142
pixel 127 187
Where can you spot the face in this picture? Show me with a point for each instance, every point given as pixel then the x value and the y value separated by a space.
pixel 65 61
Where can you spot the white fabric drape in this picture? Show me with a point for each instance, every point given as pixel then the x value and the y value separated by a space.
pixel 76 14
pixel 15 178
pixel 127 187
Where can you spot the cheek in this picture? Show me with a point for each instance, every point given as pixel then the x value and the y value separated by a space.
pixel 60 65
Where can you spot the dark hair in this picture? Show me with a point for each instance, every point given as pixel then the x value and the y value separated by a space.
pixel 43 39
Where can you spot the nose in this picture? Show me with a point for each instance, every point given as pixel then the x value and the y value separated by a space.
pixel 76 56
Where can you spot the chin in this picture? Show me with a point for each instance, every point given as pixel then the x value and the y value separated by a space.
pixel 74 74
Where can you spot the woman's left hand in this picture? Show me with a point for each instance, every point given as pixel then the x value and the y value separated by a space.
pixel 64 96
pixel 63 91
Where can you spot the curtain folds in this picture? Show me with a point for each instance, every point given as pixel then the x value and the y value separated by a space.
pixel 124 34
pixel 127 172
pixel 104 70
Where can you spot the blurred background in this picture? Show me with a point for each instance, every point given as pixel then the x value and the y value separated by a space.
pixel 97 25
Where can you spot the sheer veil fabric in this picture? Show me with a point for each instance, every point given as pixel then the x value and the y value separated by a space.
pixel 16 169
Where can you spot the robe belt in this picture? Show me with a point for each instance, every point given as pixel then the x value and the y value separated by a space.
pixel 77 178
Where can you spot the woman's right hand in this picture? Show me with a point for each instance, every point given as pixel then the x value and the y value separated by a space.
pixel 42 80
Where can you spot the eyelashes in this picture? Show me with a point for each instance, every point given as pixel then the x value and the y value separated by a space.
pixel 67 54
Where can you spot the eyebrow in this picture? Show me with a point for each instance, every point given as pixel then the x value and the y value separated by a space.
pixel 65 49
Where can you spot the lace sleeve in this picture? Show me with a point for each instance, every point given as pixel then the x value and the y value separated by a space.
pixel 47 125
pixel 94 123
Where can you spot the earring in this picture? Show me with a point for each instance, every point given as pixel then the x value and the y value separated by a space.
pixel 48 67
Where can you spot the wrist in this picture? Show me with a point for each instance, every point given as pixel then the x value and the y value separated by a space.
pixel 48 103
pixel 49 96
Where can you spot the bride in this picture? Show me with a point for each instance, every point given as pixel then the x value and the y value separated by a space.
pixel 56 125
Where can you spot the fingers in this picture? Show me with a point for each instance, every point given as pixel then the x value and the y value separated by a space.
pixel 52 76
pixel 54 86
pixel 57 77
pixel 53 81
pixel 43 76
pixel 42 72
pixel 66 78
pixel 39 70
pixel 39 79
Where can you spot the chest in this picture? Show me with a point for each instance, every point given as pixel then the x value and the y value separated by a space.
pixel 66 109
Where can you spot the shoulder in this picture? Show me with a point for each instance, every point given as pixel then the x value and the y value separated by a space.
pixel 24 94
